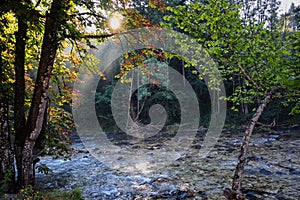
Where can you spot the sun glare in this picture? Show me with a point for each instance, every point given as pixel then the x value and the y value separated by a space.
pixel 115 22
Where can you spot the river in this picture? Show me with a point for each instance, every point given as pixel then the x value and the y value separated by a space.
pixel 272 170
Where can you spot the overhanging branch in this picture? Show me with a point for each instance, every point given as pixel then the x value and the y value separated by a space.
pixel 97 36
pixel 89 13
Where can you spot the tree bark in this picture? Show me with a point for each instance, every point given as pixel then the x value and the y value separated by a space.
pixel 38 105
pixel 19 110
pixel 7 170
pixel 234 193
pixel 41 139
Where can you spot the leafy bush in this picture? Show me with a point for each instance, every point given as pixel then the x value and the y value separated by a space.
pixel 60 125
pixel 4 184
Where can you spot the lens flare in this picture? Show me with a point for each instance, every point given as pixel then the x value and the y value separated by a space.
pixel 127 157
pixel 115 22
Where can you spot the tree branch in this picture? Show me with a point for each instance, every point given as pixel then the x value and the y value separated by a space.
pixel 248 77
pixel 97 36
pixel 89 13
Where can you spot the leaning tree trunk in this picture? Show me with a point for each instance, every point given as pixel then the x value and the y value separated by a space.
pixel 34 124
pixel 7 170
pixel 40 142
pixel 234 193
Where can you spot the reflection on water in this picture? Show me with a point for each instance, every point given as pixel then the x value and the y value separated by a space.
pixel 272 170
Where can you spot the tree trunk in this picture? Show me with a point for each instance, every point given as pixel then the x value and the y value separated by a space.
pixel 32 149
pixel 131 112
pixel 34 124
pixel 7 170
pixel 19 111
pixel 234 193
pixel 41 139
pixel 245 105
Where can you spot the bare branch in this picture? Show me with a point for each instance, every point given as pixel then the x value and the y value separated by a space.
pixel 89 13
pixel 97 36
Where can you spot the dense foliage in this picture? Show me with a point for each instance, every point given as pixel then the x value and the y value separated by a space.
pixel 42 45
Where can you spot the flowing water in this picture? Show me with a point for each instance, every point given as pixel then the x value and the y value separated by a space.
pixel 272 171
